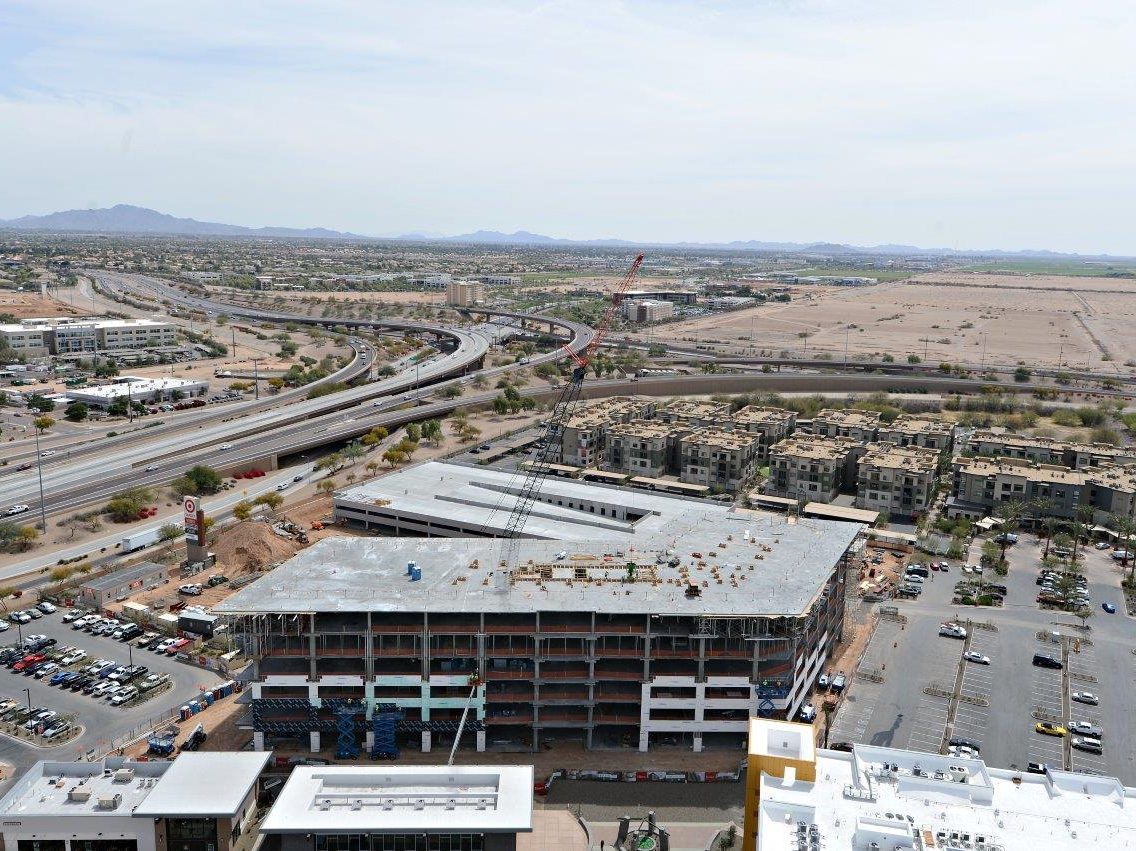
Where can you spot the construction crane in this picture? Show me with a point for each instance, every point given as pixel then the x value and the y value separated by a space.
pixel 549 445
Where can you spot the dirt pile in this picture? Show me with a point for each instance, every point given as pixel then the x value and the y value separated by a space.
pixel 251 546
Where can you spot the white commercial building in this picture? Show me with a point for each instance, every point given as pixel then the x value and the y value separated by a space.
pixel 647 310
pixel 887 799
pixel 198 802
pixel 24 340
pixel 64 335
pixel 401 807
pixel 143 390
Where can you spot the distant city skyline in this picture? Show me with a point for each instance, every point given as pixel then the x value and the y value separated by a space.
pixel 1004 125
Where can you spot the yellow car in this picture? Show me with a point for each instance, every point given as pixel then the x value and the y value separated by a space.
pixel 1048 729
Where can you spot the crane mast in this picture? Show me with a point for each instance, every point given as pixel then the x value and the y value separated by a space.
pixel 548 447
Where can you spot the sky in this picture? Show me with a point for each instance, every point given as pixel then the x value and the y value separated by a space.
pixel 971 124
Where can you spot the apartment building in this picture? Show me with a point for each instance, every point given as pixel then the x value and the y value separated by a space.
pixel 809 468
pixel 647 310
pixel 980 484
pixel 592 642
pixel 898 480
pixel 465 293
pixel 861 426
pixel 717 458
pixel 927 432
pixel 1046 450
pixel 695 413
pixel 801 797
pixel 642 448
pixel 25 341
pixel 769 424
pixel 584 434
pixel 1112 491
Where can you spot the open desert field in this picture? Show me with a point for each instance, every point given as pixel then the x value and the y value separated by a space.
pixel 958 317
pixel 29 305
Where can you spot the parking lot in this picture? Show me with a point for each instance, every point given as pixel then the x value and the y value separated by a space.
pixel 101 721
pixel 929 694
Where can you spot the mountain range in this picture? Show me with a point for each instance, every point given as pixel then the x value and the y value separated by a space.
pixel 128 219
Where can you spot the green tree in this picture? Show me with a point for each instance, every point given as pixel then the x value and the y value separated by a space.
pixel 199 479
pixel 432 431
pixel 242 510
pixel 332 462
pixel 288 349
pixel 1022 374
pixel 27 536
pixel 127 505
pixel 272 499
pixel 76 412
pixel 43 423
pixel 36 402
pixel 375 435
pixel 326 486
pixel 414 432
pixel 353 452
pixel 170 532
pixel 451 391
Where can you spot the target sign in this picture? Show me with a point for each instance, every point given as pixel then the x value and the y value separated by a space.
pixel 189 506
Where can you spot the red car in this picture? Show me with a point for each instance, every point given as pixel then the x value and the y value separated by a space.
pixel 177 646
pixel 28 661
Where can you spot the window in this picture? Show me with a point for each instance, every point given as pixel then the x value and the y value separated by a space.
pixel 41 845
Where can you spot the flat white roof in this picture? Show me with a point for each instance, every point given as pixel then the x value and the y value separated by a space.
pixel 46 790
pixel 205 785
pixel 402 799
pixel 858 799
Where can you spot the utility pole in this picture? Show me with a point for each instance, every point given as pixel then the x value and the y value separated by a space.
pixel 129 405
pixel 846 330
pixel 234 330
pixel 256 377
pixel 982 368
pixel 39 472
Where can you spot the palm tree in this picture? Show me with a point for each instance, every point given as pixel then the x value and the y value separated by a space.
pixel 1083 516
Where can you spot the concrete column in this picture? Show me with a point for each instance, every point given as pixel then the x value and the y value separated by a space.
pixel 369 740
pixel 643 739
pixel 256 691
pixel 258 741
pixel 481 741
pixel 425 741
pixel 698 743
pixel 315 741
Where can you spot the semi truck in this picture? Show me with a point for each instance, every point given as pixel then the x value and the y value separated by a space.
pixel 138 540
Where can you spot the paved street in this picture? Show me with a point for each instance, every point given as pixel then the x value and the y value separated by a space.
pixel 997 705
pixel 102 722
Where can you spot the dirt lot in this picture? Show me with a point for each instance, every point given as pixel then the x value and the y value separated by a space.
pixel 29 305
pixel 957 317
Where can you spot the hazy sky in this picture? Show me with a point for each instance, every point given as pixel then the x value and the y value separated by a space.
pixel 962 123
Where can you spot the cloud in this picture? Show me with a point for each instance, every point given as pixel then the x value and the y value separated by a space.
pixel 995 124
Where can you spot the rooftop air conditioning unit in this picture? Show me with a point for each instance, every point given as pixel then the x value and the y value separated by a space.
pixel 356 803
pixel 451 803
pixel 124 775
pixel 419 803
pixel 79 795
pixel 325 803
pixel 388 804
pixel 109 802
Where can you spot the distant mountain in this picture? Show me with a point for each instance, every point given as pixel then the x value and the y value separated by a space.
pixel 127 219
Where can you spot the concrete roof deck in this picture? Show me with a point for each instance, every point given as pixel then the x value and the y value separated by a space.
pixel 780 569
pixel 813 446
pixel 915 459
pixel 44 791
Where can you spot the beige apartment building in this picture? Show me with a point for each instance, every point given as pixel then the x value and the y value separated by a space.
pixel 465 293
pixel 25 341
pixel 642 447
pixel 770 425
pixel 585 431
pixel 812 469
pixel 898 480
pixel 647 310
pixel 717 458
pixel 856 425
pixel 695 413
pixel 927 432
pixel 1047 450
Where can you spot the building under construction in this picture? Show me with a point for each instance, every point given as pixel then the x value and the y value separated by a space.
pixel 671 623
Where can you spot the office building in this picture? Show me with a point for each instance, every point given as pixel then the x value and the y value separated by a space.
pixel 63 336
pixel 24 340
pixel 808 468
pixel 799 797
pixel 673 296
pixel 465 293
pixel 897 480
pixel 629 617
pixel 146 391
pixel 647 310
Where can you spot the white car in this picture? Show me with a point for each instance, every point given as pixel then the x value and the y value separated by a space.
pixel 151 468
pixel 83 620
pixel 808 713
pixel 72 615
pixel 1103 545
pixel 18 509
pixel 952 630
pixel 1084 728
pixel 124 694
pixel 977 658
pixel 102 688
pixel 47 608
pixel 72 658
pixel 4 626
pixel 57 729
pixel 191 590
pixel 164 645
pixel 21 617
pixel 1085 697
pixel 225 446
pixel 47 453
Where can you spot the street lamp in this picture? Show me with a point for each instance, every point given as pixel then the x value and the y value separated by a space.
pixel 28 692
pixel 39 473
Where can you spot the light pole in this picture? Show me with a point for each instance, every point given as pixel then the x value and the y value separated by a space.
pixel 256 378
pixel 39 473
pixel 28 692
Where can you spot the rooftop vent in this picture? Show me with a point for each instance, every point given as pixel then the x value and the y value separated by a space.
pixel 451 803
pixel 388 804
pixel 110 802
pixel 419 803
pixel 79 795
pixel 325 804
pixel 356 803
pixel 124 775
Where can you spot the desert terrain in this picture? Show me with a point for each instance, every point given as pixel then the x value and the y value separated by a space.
pixel 958 317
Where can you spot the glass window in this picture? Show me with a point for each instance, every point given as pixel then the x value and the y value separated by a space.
pixel 104 845
pixel 41 845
